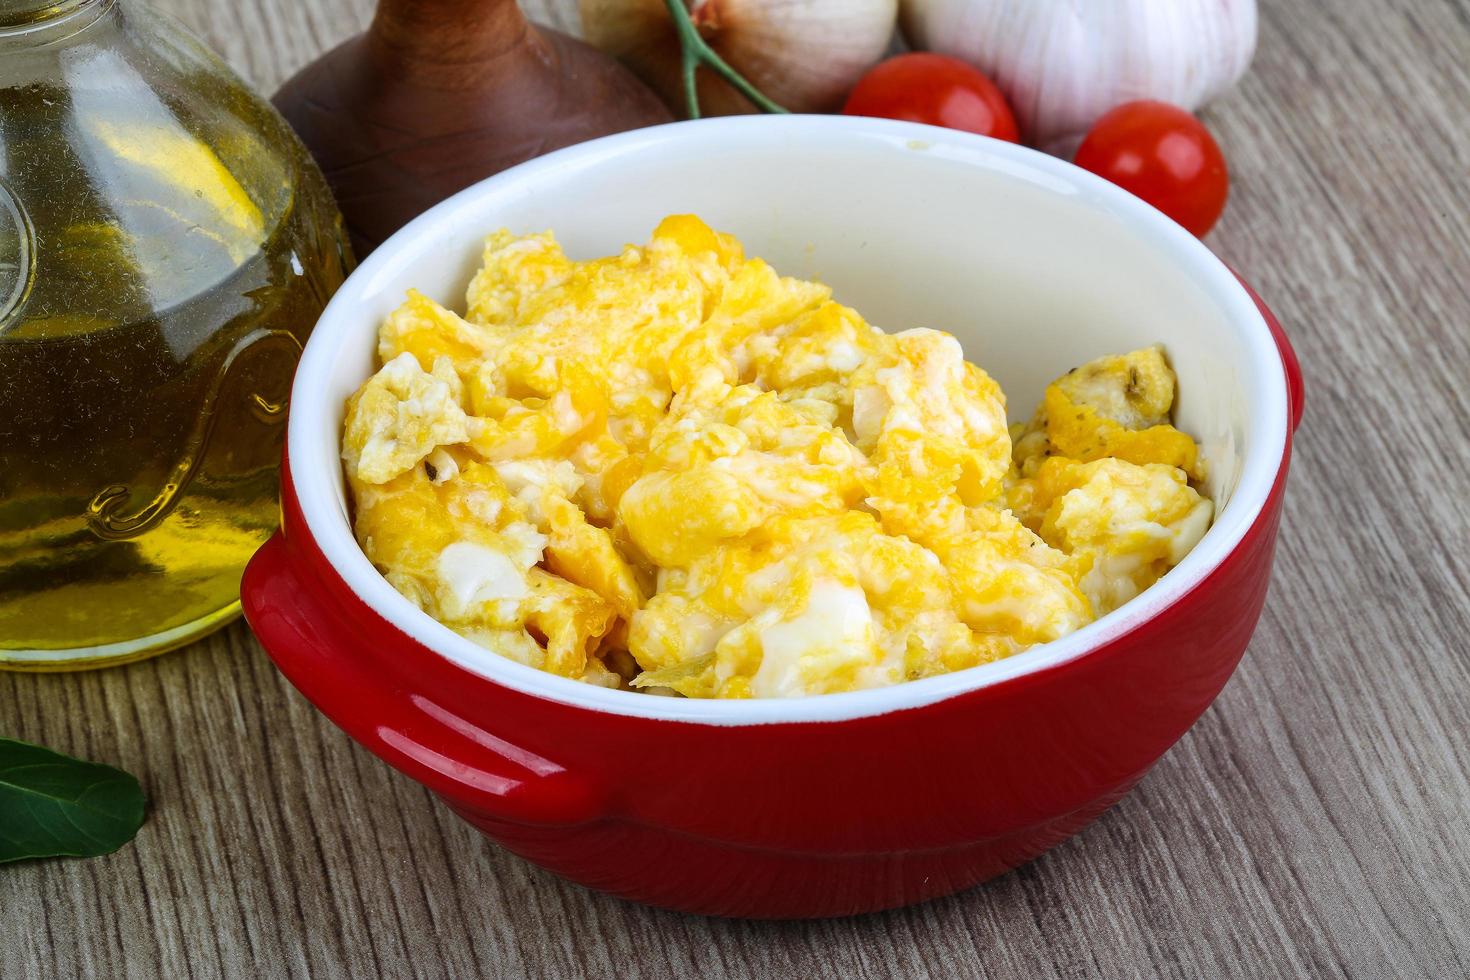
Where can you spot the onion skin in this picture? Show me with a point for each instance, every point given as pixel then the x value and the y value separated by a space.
pixel 1062 64
pixel 803 54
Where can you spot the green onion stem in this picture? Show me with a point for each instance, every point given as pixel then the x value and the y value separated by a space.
pixel 696 51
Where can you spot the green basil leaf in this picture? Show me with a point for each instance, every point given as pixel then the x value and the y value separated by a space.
pixel 53 805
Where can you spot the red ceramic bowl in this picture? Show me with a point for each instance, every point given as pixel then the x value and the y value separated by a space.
pixel 843 803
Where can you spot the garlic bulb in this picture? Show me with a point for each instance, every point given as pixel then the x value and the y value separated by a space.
pixel 803 54
pixel 1063 63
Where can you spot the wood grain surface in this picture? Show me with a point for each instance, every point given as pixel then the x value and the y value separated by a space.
pixel 1316 822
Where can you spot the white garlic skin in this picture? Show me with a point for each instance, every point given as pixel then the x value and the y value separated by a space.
pixel 1063 63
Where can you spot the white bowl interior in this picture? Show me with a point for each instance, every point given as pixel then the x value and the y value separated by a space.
pixel 1034 265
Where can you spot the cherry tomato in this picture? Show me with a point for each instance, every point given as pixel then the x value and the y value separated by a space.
pixel 1165 156
pixel 934 89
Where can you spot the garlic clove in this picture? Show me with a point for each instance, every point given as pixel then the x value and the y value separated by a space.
pixel 803 54
pixel 1062 64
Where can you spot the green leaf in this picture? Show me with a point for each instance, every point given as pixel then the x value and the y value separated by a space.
pixel 53 805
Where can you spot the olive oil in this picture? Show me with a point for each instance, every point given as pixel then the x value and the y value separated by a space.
pixel 165 248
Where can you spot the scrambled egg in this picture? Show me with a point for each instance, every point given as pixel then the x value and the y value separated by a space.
pixel 673 469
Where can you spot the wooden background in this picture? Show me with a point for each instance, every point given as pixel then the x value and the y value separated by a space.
pixel 1315 822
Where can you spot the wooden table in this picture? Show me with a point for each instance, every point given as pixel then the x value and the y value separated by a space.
pixel 1316 820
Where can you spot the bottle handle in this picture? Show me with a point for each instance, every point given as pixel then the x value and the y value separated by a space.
pixel 17 254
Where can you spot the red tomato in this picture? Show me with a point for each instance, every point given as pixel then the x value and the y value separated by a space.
pixel 934 89
pixel 1165 156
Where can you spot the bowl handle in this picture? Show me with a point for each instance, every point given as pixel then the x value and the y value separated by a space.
pixel 328 653
pixel 1295 389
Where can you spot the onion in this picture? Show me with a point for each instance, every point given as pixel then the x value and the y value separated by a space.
pixel 803 54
